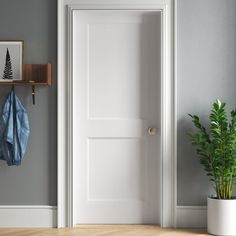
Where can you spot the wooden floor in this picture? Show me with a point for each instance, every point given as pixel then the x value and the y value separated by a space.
pixel 104 230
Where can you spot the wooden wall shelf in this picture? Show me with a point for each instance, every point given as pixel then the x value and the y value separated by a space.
pixel 33 74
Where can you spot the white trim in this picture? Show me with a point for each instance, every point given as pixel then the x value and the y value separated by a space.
pixel 65 134
pixel 61 124
pixel 28 216
pixel 70 172
pixel 191 216
pixel 168 119
pixel 175 108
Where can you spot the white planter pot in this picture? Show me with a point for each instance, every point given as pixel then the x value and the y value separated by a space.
pixel 221 217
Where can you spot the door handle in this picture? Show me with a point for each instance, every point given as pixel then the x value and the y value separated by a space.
pixel 152 131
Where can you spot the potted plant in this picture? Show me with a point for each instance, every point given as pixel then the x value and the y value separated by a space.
pixel 217 153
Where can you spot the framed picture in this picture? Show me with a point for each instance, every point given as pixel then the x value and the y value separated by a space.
pixel 11 60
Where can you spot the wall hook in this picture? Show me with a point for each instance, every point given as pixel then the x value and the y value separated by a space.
pixel 33 94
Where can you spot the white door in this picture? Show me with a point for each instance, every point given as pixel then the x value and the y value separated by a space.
pixel 117 98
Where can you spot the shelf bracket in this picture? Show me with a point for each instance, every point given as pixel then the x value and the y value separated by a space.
pixel 33 94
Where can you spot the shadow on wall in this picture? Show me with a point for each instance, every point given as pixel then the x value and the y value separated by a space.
pixel 190 166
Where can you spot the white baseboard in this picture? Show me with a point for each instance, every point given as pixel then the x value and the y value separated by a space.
pixel 28 216
pixel 46 216
pixel 191 216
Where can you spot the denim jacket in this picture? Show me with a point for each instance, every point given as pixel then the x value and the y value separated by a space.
pixel 14 130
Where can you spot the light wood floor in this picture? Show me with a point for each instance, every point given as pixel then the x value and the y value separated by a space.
pixel 104 230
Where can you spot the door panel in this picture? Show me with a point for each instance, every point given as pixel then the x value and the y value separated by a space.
pixel 122 85
pixel 116 78
pixel 125 155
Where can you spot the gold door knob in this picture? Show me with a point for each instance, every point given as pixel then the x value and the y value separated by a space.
pixel 152 131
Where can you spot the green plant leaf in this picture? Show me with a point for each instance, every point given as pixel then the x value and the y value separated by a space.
pixel 217 148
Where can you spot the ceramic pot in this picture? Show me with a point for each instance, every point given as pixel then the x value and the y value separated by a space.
pixel 221 217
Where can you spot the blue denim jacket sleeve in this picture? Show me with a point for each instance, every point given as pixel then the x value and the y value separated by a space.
pixel 1 138
pixel 15 130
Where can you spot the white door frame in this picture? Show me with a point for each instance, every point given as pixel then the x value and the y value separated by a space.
pixel 65 103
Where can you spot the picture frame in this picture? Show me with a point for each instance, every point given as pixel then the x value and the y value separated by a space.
pixel 11 60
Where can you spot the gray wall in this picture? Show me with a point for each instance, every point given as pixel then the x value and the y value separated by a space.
pixel 206 71
pixel 34 182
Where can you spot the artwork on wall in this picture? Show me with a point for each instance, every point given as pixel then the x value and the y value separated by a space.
pixel 11 60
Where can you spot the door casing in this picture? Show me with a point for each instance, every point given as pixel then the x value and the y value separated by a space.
pixel 65 169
